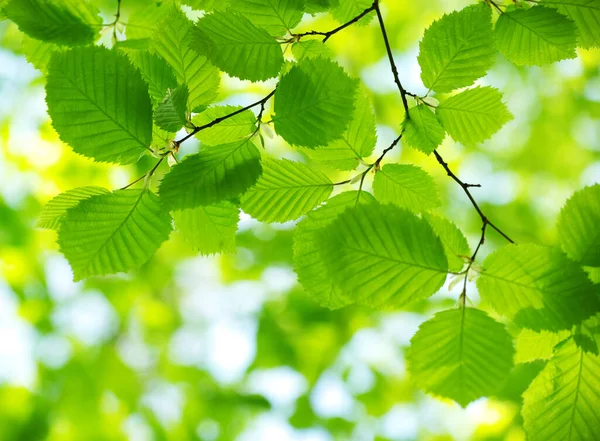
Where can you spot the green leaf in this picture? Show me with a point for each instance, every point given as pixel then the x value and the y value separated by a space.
pixel 457 49
pixel 277 17
pixel 407 186
pixel 171 114
pixel 111 233
pixel 314 103
pixel 214 175
pixel 422 130
pixel 173 43
pixel 210 229
pixel 586 16
pixel 454 241
pixel 310 49
pixel 474 115
pixel 156 72
pixel 578 226
pixel 462 354
pixel 54 211
pixel 533 345
pixel 230 130
pixel 357 142
pixel 346 10
pixel 235 45
pixel 65 22
pixel 383 256
pixel 143 23
pixel 308 263
pixel 535 36
pixel 561 403
pixel 99 104
pixel 285 191
pixel 538 287
pixel 38 53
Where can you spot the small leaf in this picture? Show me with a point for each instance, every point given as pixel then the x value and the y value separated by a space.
pixel 171 115
pixel 156 72
pixel 422 130
pixel 277 17
pixel 533 345
pixel 310 49
pixel 54 211
pixel 461 354
pixel 346 10
pixel 230 130
pixel 454 241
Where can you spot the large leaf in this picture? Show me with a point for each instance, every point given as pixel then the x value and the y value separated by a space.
pixel 99 104
pixel 532 345
pixel 172 43
pixel 230 130
pixel 383 256
pixel 156 72
pixel 538 287
pixel 474 115
pixel 535 36
pixel 67 22
pixel 277 17
pixel 215 174
pixel 585 14
pixel 578 226
pixel 422 130
pixel 285 191
pixel 54 211
pixel 210 229
pixel 561 404
pixel 454 241
pixel 171 114
pixel 111 233
pixel 357 142
pixel 457 49
pixel 314 103
pixel 238 47
pixel 461 354
pixel 407 186
pixel 308 262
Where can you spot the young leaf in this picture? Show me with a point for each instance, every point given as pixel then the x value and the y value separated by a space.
pixel 277 17
pixel 454 241
pixel 310 49
pixel 407 186
pixel 457 49
pixel 99 104
pixel 156 72
pixel 214 175
pixel 535 36
pixel 346 10
pixel 285 191
pixel 235 45
pixel 356 143
pixel 111 233
pixel 210 229
pixel 531 345
pixel 422 130
pixel 308 262
pixel 39 53
pixel 172 43
pixel 586 16
pixel 462 354
pixel 65 22
pixel 578 226
pixel 230 130
pixel 143 23
pixel 383 256
pixel 561 402
pixel 314 103
pixel 474 115
pixel 538 287
pixel 54 211
pixel 171 114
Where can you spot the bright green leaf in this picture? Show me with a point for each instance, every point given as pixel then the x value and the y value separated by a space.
pixel 346 10
pixel 474 115
pixel 535 36
pixel 462 354
pixel 156 72
pixel 454 241
pixel 171 114
pixel 457 49
pixel 532 345
pixel 55 210
pixel 230 130
pixel 99 104
pixel 422 130
pixel 310 49
pixel 111 233
pixel 285 191
pixel 277 17
pixel 586 16
pixel 38 53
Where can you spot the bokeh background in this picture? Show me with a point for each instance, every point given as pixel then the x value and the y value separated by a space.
pixel 230 347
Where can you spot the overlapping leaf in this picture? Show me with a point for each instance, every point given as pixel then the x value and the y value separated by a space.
pixel 54 211
pixel 538 287
pixel 586 16
pixel 156 72
pixel 230 130
pixel 285 191
pixel 422 130
pixel 277 17
pixel 235 45
pixel 99 104
pixel 171 114
pixel 532 345
pixel 461 354
pixel 457 49
pixel 111 233
pixel 474 115
pixel 454 241
pixel 346 10
pixel 310 49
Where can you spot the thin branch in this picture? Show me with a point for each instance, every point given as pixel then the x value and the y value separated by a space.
pixel 147 174
pixel 114 23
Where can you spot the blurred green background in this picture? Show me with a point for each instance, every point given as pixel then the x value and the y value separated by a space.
pixel 230 347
